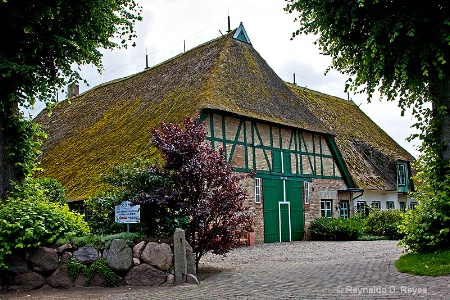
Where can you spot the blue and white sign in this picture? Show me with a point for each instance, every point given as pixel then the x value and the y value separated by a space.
pixel 127 213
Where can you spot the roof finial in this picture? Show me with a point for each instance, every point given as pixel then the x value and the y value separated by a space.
pixel 229 26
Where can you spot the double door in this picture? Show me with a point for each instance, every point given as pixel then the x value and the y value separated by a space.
pixel 283 210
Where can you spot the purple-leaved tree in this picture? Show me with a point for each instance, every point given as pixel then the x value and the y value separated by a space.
pixel 205 188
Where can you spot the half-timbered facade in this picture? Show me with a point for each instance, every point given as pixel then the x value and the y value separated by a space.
pixel 304 166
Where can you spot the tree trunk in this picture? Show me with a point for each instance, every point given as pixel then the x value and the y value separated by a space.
pixel 440 91
pixel 7 172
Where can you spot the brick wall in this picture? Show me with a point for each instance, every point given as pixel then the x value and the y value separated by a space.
pixel 322 189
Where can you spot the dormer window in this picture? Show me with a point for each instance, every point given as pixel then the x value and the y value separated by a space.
pixel 401 174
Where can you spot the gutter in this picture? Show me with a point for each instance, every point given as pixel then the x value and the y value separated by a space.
pixel 355 190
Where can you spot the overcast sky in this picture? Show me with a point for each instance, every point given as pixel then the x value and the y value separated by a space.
pixel 169 26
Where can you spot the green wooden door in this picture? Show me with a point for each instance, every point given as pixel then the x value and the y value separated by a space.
pixel 294 195
pixel 273 193
pixel 285 222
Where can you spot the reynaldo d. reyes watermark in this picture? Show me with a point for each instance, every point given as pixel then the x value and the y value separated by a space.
pixel 382 290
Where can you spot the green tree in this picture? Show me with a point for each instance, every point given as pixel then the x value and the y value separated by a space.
pixel 42 43
pixel 400 48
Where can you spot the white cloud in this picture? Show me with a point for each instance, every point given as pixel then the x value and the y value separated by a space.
pixel 168 25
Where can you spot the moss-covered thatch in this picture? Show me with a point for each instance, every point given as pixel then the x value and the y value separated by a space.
pixel 110 124
pixel 370 153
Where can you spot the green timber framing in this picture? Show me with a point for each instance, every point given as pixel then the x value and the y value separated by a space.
pixel 283 157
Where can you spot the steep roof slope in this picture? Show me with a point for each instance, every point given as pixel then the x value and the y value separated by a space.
pixel 110 124
pixel 370 154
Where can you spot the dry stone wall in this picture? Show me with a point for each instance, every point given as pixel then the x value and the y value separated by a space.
pixel 146 263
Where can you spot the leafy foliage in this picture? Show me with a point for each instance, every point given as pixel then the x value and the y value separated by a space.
pixel 100 241
pixel 401 49
pixel 383 223
pixel 45 40
pixel 427 227
pixel 336 229
pixel 50 188
pixel 28 219
pixel 400 55
pixel 28 138
pixel 127 183
pixel 100 266
pixel 204 189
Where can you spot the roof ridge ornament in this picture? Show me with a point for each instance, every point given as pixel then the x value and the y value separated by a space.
pixel 241 34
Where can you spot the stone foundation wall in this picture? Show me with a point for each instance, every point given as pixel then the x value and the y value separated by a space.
pixel 147 263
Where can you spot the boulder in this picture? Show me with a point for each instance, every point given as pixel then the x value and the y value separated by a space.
pixel 60 278
pixel 17 264
pixel 120 256
pixel 158 255
pixel 44 259
pixel 86 254
pixel 138 248
pixel 64 247
pixel 145 275
pixel 28 281
pixel 65 257
pixel 98 280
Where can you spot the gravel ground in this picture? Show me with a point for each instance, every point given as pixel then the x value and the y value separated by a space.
pixel 296 270
pixel 306 251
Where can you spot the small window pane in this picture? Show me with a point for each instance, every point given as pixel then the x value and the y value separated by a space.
pixel 257 190
pixel 326 208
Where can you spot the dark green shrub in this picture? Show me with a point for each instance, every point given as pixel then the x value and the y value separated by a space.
pixel 383 223
pixel 28 219
pixel 127 183
pixel 332 229
pixel 100 241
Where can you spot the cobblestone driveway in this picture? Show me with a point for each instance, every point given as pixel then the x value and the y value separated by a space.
pixel 298 270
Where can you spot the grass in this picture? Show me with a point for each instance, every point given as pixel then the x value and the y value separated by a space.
pixel 425 264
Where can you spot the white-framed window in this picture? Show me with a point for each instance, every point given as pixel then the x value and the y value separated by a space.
pixel 390 205
pixel 306 191
pixel 326 208
pixel 401 174
pixel 376 204
pixel 257 190
pixel 343 208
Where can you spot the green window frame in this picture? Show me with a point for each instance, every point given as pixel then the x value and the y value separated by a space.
pixel 361 207
pixel 412 205
pixel 375 205
pixel 403 206
pixel 390 205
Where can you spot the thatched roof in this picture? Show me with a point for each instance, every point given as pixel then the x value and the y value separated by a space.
pixel 110 124
pixel 369 153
